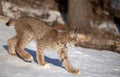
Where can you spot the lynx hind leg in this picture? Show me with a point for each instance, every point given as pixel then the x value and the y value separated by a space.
pixel 64 59
pixel 11 45
pixel 23 40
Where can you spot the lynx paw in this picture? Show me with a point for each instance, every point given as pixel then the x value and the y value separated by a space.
pixel 46 65
pixel 26 57
pixel 13 53
pixel 77 72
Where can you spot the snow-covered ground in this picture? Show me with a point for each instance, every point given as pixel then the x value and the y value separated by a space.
pixel 92 63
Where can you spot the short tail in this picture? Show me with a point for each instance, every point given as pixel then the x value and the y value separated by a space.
pixel 4 19
pixel 8 23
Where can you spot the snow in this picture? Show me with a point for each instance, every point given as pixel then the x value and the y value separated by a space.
pixel 92 63
pixel 54 16
pixel 109 26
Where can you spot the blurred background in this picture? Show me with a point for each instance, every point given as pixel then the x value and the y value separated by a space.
pixel 97 20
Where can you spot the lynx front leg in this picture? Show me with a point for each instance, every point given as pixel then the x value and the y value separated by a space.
pixel 64 59
pixel 40 54
pixel 23 40
pixel 11 45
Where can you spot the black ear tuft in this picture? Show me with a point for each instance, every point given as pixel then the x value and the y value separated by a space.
pixel 75 30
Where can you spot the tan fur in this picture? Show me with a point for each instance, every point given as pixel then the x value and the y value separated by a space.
pixel 46 37
pixel 60 27
pixel 4 19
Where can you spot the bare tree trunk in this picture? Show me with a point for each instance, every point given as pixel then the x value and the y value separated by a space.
pixel 78 15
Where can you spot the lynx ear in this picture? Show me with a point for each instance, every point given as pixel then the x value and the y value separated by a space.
pixel 73 33
pixel 75 30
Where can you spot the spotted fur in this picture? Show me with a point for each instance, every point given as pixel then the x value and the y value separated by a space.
pixel 29 28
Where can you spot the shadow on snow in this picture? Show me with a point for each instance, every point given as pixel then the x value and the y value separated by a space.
pixel 55 62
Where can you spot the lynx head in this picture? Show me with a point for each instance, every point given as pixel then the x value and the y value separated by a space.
pixel 68 38
pixel 72 38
